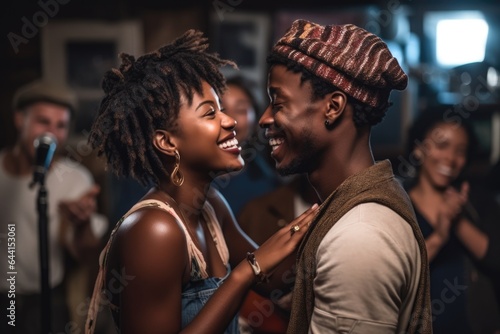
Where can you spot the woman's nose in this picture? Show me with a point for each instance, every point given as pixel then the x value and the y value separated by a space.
pixel 228 122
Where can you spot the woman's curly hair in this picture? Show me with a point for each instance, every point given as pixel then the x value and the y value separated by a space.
pixel 144 95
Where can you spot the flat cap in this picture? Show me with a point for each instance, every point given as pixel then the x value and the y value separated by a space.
pixel 349 57
pixel 40 90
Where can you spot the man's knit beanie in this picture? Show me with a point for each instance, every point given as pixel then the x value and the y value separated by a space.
pixel 352 59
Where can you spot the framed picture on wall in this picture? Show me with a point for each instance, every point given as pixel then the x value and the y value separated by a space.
pixel 243 38
pixel 78 53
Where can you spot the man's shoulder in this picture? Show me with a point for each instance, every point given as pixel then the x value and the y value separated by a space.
pixel 371 223
pixel 370 213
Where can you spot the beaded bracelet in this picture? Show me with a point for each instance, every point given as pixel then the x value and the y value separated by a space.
pixel 261 277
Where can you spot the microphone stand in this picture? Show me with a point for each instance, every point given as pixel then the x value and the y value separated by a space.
pixel 46 303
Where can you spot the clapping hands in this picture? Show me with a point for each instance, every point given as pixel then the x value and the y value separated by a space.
pixel 451 210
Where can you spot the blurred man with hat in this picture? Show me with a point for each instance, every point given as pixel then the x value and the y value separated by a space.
pixel 362 267
pixel 74 227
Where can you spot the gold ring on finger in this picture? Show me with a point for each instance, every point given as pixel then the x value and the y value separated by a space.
pixel 294 228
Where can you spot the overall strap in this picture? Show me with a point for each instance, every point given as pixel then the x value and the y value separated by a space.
pixel 216 232
pixel 101 276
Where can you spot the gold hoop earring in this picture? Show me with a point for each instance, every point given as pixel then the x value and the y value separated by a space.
pixel 176 177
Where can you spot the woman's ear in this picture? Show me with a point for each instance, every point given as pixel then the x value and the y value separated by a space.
pixel 164 142
pixel 337 102
pixel 418 153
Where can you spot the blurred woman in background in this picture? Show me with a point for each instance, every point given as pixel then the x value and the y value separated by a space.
pixel 462 244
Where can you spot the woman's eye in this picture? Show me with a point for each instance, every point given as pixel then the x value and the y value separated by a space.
pixel 441 145
pixel 210 111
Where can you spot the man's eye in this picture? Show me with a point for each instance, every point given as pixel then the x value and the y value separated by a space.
pixel 276 106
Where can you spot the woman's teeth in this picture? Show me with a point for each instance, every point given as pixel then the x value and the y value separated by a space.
pixel 445 170
pixel 231 143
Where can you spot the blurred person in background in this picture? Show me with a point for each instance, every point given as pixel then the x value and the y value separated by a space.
pixel 460 223
pixel 74 227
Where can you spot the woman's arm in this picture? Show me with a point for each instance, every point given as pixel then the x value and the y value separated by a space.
pixel 475 240
pixel 437 239
pixel 152 252
pixel 447 214
pixel 433 244
pixel 471 237
pixel 154 267
pixel 283 276
pixel 479 230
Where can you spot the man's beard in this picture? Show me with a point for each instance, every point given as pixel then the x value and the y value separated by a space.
pixel 304 161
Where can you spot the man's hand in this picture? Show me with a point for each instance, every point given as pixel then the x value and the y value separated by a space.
pixel 76 231
pixel 78 212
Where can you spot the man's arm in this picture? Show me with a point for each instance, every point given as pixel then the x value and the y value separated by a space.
pixel 367 273
pixel 83 227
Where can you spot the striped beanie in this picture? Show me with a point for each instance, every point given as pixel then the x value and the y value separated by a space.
pixel 352 59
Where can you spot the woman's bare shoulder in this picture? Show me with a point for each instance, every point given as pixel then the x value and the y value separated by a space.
pixel 148 235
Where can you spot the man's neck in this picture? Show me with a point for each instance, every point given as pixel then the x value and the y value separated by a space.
pixel 337 168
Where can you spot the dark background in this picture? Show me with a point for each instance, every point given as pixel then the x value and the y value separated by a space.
pixel 164 20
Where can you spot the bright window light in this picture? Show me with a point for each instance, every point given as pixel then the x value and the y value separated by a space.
pixel 460 41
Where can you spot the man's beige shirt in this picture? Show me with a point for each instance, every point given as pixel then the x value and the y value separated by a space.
pixel 368 269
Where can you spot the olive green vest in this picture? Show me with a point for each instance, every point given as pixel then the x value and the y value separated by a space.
pixel 375 184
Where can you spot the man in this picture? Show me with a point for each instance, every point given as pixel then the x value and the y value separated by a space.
pixel 73 225
pixel 362 267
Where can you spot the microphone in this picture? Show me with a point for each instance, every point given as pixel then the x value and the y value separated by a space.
pixel 45 146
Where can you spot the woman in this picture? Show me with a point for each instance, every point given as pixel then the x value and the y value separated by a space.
pixel 257 177
pixel 455 233
pixel 163 268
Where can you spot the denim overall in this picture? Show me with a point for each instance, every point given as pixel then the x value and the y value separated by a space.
pixel 196 294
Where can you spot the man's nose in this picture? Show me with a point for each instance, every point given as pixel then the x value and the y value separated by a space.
pixel 266 119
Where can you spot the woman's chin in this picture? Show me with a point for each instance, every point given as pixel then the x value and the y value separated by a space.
pixel 441 186
pixel 240 164
pixel 234 166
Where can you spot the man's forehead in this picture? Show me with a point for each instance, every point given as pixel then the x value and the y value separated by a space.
pixel 47 108
pixel 283 80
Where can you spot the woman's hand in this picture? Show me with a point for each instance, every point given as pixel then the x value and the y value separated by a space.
pixel 284 241
pixel 454 201
pixel 451 209
pixel 442 227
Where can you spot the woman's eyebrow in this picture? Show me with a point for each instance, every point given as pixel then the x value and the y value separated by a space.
pixel 205 102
